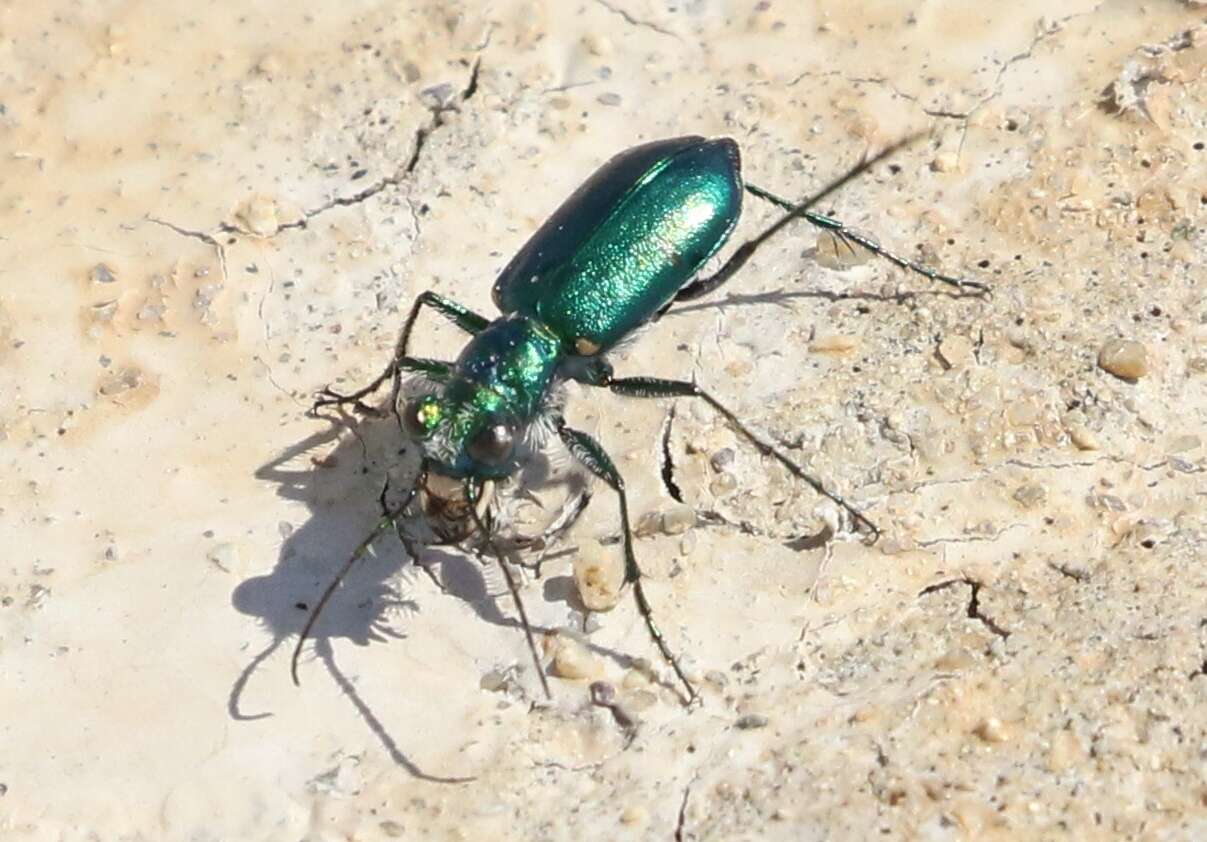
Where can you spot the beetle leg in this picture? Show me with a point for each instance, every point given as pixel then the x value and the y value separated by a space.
pixel 589 452
pixel 849 235
pixel 437 370
pixel 653 387
pixel 473 491
pixel 703 286
pixel 571 511
pixel 388 520
pixel 461 316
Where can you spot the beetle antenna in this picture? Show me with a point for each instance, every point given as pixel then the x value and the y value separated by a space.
pixel 473 490
pixel 389 516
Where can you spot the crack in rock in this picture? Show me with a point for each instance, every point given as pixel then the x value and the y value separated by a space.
pixel 971 539
pixel 1044 30
pixel 974 611
pixel 207 238
pixel 668 461
pixel 1076 573
pixel 422 135
pixel 634 21
pixel 681 821
pixel 438 119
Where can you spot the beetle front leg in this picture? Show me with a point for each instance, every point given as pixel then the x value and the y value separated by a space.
pixel 589 452
pixel 461 316
pixel 437 370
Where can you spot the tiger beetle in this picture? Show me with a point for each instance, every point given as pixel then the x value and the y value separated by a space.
pixel 619 253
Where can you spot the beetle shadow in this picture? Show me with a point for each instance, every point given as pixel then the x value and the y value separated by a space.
pixel 337 474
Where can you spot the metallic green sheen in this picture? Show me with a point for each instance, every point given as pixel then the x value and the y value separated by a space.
pixel 524 279
pixel 514 356
pixel 646 243
pixel 606 262
pixel 502 374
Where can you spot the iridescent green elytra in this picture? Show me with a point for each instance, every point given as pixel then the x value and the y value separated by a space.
pixel 620 251
pixel 605 263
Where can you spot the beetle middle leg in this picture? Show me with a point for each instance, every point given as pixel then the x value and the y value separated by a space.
pixel 461 316
pixel 589 452
pixel 654 387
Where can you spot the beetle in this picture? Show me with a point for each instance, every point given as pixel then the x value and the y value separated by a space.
pixel 619 252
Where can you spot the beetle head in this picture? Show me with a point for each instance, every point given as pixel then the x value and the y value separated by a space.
pixel 465 431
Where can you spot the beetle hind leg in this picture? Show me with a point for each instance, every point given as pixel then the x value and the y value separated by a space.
pixel 703 286
pixel 848 236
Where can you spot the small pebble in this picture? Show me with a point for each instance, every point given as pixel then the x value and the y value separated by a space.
pixel 945 162
pixel 724 483
pixel 439 95
pixel 648 524
pixel 598 45
pixel 608 99
pixel 37 596
pixel 1020 338
pixel 1065 751
pixel 494 681
pixel 687 544
pixel 838 254
pixel 751 721
pixel 120 382
pixel 677 520
pixel 269 65
pixel 956 351
pixel 633 815
pixel 1083 437
pixel 634 679
pixel 102 274
pixel 104 311
pixel 637 701
pixel 1184 443
pixel 1075 570
pixel 1124 358
pixel 1030 494
pixel 392 829
pixel 602 693
pixel 599 576
pixel 722 459
pixel 992 730
pixel 571 659
pixel 834 343
pixel 258 216
pixel 1022 413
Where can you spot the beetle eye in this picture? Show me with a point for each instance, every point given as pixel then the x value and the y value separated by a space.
pixel 492 444
pixel 420 415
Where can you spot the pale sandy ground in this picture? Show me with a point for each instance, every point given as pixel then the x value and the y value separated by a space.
pixel 209 210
